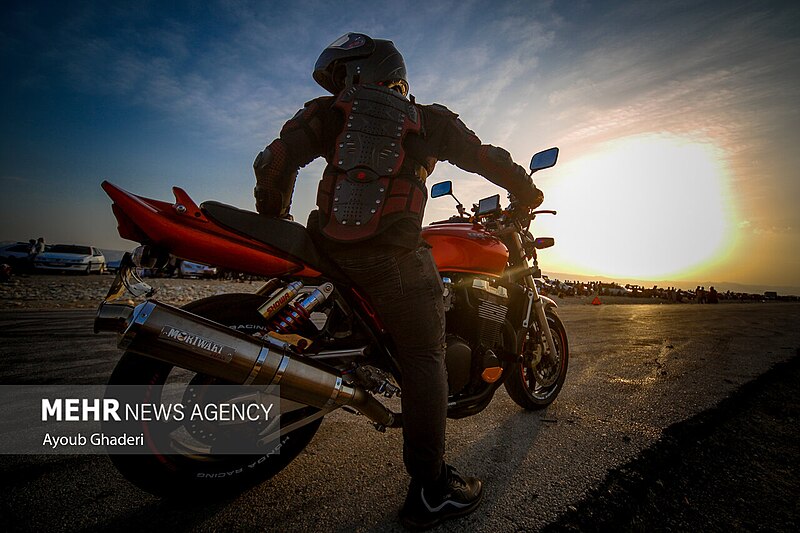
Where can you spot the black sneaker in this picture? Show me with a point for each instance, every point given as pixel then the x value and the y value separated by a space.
pixel 452 496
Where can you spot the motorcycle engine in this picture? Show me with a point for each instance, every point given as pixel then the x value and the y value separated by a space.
pixel 476 312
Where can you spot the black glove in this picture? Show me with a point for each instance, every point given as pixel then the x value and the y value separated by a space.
pixel 269 202
pixel 538 197
pixel 525 191
pixel 274 181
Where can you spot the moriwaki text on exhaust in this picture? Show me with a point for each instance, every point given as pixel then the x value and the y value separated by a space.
pixel 202 418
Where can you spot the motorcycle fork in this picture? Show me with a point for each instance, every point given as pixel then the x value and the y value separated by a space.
pixel 541 318
pixel 535 302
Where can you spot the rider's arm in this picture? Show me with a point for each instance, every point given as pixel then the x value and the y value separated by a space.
pixel 300 142
pixel 459 145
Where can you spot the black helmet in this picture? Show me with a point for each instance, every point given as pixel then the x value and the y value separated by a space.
pixel 355 58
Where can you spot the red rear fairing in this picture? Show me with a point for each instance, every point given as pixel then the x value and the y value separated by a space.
pixel 183 230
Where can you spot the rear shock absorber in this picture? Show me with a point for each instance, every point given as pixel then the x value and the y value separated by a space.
pixel 296 314
pixel 276 303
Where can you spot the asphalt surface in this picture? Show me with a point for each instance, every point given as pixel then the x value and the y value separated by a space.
pixel 635 371
pixel 735 467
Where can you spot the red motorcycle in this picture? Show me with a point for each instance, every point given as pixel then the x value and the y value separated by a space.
pixel 310 331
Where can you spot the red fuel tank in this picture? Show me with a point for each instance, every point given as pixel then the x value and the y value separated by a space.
pixel 464 247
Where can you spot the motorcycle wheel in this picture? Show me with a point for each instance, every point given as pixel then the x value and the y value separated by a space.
pixel 165 473
pixel 535 386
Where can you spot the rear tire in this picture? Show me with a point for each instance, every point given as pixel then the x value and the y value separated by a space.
pixel 524 383
pixel 168 474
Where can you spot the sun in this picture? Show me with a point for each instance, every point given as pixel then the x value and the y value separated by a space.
pixel 644 207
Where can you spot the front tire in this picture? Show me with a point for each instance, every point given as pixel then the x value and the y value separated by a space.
pixel 165 473
pixel 534 384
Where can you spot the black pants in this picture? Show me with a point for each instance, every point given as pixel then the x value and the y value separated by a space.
pixel 405 289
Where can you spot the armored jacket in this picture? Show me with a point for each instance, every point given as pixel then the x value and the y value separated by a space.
pixel 380 148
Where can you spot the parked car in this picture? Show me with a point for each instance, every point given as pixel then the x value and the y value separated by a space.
pixel 71 258
pixel 196 270
pixel 15 255
pixel 637 291
pixel 614 289
pixel 113 266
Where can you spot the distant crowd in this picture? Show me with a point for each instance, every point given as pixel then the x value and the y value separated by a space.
pixel 700 294
pixel 23 257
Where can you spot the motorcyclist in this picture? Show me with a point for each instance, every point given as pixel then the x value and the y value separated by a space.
pixel 380 147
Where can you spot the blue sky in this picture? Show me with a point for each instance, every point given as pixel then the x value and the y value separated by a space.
pixel 155 94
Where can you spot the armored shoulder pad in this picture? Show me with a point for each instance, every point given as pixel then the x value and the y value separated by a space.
pixel 445 116
pixel 305 116
pixel 320 101
pixel 439 109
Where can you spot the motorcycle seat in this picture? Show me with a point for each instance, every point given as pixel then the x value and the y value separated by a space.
pixel 286 236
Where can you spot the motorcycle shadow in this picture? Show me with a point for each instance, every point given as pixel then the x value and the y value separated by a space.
pixel 177 513
pixel 502 457
pixel 499 458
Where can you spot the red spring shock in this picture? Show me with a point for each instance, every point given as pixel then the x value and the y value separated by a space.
pixel 297 314
pixel 291 318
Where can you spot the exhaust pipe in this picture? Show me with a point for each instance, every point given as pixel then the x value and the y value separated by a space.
pixel 170 334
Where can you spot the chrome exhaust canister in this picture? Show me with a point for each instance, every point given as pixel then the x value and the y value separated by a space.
pixel 113 317
pixel 189 341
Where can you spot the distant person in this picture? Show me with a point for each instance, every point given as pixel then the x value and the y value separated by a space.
pixel 173 267
pixel 5 272
pixel 712 296
pixel 700 294
pixel 34 249
pixel 31 249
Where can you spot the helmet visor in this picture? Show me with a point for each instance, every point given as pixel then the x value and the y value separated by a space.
pixel 349 41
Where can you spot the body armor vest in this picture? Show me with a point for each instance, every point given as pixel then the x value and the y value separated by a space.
pixel 362 189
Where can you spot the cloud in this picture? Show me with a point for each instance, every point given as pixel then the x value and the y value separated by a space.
pixel 722 73
pixel 520 74
pixel 233 72
pixel 761 229
pixel 222 76
pixel 473 75
pixel 727 73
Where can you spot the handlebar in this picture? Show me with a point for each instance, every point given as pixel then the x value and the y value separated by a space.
pixel 520 212
pixel 517 214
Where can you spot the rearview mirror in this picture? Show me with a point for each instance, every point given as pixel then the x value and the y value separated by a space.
pixel 544 159
pixel 442 188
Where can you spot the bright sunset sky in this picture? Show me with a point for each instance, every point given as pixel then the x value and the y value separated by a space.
pixel 677 121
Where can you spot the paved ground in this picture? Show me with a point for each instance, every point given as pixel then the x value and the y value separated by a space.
pixel 733 467
pixel 636 372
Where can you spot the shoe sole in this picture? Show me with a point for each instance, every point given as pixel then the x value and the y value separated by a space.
pixel 416 526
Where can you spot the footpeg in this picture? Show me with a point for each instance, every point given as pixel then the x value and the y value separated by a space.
pixel 376 381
